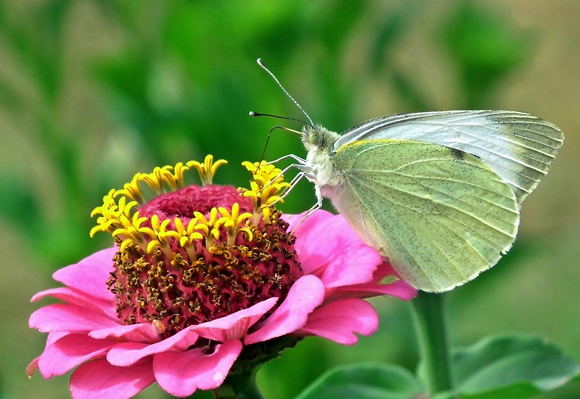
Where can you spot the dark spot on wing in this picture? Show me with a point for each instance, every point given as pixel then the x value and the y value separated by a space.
pixel 460 155
pixel 457 153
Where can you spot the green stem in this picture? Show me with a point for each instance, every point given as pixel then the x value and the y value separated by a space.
pixel 429 318
pixel 239 385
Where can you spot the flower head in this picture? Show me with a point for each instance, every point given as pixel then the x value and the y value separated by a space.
pixel 197 276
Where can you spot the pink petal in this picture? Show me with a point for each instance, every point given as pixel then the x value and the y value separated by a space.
pixel 32 367
pixel 50 339
pixel 99 380
pixel 397 288
pixel 304 296
pixel 128 353
pixel 236 325
pixel 90 275
pixel 69 352
pixel 72 296
pixel 142 332
pixel 329 248
pixel 66 317
pixel 55 336
pixel 340 320
pixel 182 373
pixel 293 220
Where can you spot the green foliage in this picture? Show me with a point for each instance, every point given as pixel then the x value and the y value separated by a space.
pixel 499 367
pixel 368 381
pixel 511 367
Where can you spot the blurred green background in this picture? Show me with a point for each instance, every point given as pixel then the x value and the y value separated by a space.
pixel 94 91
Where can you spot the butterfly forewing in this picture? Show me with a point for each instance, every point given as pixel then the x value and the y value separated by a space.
pixel 442 216
pixel 517 146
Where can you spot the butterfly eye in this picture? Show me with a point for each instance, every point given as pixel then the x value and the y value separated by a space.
pixel 314 136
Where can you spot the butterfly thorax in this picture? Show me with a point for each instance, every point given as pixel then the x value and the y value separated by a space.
pixel 319 142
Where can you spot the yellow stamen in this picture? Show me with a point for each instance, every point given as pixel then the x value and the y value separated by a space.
pixel 118 217
pixel 234 223
pixel 187 236
pixel 160 237
pixel 156 178
pixel 268 183
pixel 132 190
pixel 208 227
pixel 131 232
pixel 207 169
pixel 177 180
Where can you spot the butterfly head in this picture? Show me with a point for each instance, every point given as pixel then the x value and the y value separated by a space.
pixel 317 137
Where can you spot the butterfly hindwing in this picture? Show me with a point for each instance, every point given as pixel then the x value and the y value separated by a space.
pixel 441 215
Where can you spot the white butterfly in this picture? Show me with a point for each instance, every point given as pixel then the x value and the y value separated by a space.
pixel 438 193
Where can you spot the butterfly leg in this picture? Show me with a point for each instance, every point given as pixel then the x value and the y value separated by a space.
pixel 301 161
pixel 294 181
pixel 313 208
pixel 305 172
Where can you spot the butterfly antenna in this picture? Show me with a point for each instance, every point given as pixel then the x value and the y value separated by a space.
pixel 285 91
pixel 287 118
pixel 252 113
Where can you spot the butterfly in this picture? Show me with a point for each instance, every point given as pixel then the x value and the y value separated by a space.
pixel 438 193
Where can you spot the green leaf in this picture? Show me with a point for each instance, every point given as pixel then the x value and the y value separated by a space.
pixel 367 381
pixel 511 367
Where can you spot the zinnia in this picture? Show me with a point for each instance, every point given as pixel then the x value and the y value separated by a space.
pixel 199 276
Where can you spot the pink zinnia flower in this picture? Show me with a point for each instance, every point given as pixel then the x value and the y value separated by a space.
pixel 198 277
